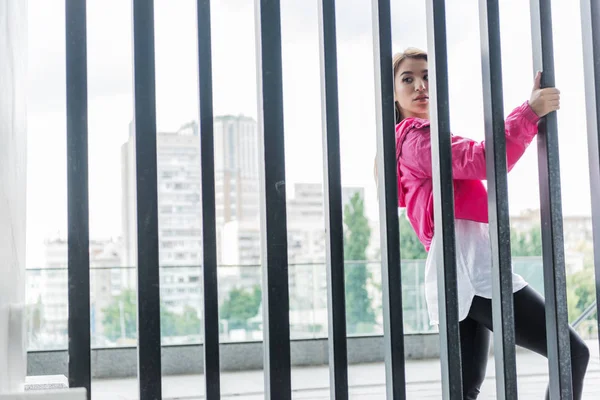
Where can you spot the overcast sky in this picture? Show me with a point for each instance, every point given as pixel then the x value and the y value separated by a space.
pixel 234 73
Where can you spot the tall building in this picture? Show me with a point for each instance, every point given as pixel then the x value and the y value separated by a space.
pixel 179 213
pixel 180 200
pixel 179 192
pixel 236 168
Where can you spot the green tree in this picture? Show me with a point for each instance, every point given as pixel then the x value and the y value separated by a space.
pixel 580 285
pixel 189 323
pixel 240 306
pixel 411 247
pixel 123 311
pixel 120 316
pixel 173 324
pixel 580 291
pixel 360 316
pixel 527 244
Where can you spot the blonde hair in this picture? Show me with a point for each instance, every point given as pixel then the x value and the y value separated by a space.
pixel 412 53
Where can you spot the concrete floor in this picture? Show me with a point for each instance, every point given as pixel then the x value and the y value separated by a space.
pixel 367 382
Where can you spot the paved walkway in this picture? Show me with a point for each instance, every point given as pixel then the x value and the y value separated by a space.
pixel 367 382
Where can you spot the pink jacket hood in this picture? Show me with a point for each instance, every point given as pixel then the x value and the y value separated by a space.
pixel 413 156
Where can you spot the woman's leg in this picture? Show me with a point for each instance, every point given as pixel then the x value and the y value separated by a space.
pixel 474 346
pixel 530 331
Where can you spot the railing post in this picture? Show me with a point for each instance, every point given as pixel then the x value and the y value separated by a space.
pixel 391 277
pixel 555 283
pixel 499 221
pixel 210 323
pixel 590 23
pixel 148 301
pixel 443 199
pixel 275 290
pixel 78 199
pixel 334 226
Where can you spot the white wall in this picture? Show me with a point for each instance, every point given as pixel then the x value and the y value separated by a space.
pixel 13 180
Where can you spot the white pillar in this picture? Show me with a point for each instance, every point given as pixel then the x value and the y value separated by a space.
pixel 13 165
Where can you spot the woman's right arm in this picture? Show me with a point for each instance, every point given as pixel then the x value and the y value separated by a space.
pixel 468 156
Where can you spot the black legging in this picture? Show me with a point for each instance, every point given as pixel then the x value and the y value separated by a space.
pixel 530 333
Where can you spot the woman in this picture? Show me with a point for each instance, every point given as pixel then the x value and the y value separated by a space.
pixel 473 251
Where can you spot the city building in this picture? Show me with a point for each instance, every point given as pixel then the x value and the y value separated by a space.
pixel 180 197
pixel 236 168
pixel 47 289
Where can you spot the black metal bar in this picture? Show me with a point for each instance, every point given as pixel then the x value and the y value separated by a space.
pixel 443 200
pixel 555 285
pixel 334 225
pixel 149 344
pixel 590 24
pixel 210 325
pixel 391 279
pixel 499 219
pixel 78 196
pixel 276 319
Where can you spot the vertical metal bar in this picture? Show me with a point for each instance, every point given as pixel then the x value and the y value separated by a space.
pixel 338 356
pixel 276 319
pixel 499 220
pixel 590 24
pixel 209 235
pixel 77 196
pixel 149 345
pixel 555 285
pixel 443 199
pixel 391 279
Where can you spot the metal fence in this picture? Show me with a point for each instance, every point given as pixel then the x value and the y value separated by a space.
pixel 114 304
pixel 273 204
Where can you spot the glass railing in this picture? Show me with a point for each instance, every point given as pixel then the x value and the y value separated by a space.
pixel 113 302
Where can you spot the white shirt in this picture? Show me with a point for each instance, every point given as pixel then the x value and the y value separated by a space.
pixel 473 268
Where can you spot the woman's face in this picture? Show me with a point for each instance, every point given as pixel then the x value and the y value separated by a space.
pixel 411 88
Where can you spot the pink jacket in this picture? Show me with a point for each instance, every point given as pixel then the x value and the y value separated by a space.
pixel 413 155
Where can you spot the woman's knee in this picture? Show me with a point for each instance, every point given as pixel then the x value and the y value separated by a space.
pixel 580 353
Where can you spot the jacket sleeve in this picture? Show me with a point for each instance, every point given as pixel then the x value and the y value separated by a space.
pixel 468 156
